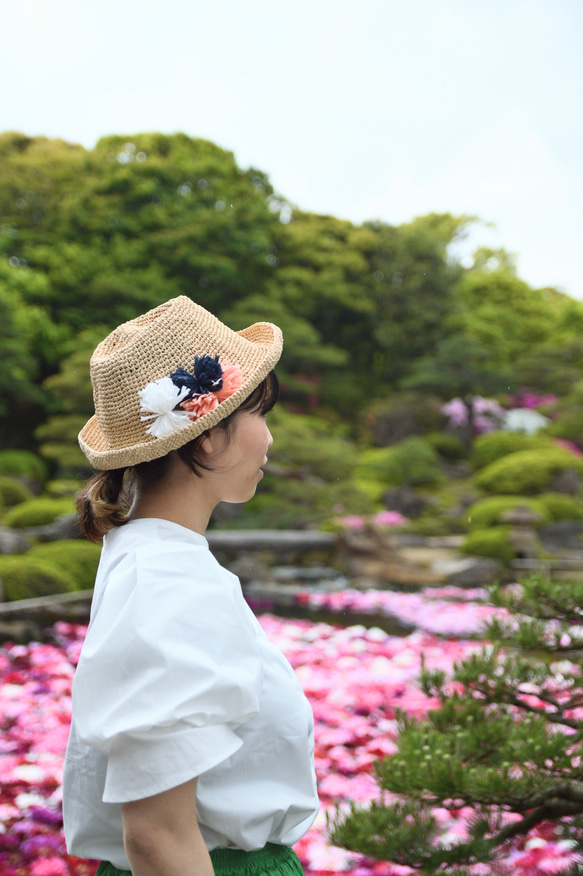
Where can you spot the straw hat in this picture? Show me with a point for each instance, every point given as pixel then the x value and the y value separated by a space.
pixel 136 356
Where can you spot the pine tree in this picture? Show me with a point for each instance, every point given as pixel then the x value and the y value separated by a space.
pixel 506 740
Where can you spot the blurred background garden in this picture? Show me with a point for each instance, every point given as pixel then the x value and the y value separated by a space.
pixel 398 187
pixel 445 392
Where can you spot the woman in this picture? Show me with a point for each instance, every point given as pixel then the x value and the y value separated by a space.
pixel 191 745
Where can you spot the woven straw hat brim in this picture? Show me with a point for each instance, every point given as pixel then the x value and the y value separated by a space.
pixel 151 347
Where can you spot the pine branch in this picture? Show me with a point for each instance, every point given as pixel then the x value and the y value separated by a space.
pixel 563 791
pixel 512 700
pixel 547 812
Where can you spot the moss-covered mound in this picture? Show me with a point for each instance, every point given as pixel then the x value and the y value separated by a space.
pixel 78 559
pixel 38 512
pixel 62 487
pixel 490 511
pixel 24 464
pixel 493 543
pixel 560 506
pixel 413 461
pixel 492 446
pixel 12 492
pixel 25 578
pixel 448 446
pixel 528 471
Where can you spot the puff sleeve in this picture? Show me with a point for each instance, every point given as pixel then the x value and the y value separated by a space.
pixel 169 670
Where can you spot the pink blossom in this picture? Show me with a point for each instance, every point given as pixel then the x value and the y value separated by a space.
pixel 351 521
pixel 388 518
pixel 49 867
pixel 199 405
pixel 528 399
pixel 457 411
pixel 232 381
pixel 487 413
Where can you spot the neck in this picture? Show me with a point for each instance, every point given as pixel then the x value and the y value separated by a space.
pixel 181 497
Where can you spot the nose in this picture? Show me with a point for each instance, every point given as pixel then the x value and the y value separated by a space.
pixel 269 437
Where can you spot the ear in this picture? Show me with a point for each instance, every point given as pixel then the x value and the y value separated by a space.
pixel 207 443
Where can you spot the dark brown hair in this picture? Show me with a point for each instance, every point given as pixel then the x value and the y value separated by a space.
pixel 106 498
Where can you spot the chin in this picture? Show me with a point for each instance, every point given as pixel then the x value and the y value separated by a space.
pixel 242 498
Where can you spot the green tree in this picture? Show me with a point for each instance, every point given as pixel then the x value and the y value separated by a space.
pixel 411 283
pixel 71 406
pixel 506 737
pixel 25 334
pixel 499 311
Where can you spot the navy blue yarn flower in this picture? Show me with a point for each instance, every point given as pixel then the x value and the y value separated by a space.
pixel 207 376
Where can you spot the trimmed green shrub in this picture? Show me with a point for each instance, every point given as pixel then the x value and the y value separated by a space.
pixel 488 512
pixel 25 578
pixel 493 543
pixel 492 446
pixel 38 512
pixel 78 559
pixel 374 489
pixel 12 492
pixel 448 446
pixel 528 471
pixel 63 487
pixel 23 463
pixel 560 506
pixel 568 426
pixel 412 461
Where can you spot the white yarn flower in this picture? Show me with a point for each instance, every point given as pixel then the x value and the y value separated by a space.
pixel 159 398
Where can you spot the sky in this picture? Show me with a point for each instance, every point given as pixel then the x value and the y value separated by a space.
pixel 363 109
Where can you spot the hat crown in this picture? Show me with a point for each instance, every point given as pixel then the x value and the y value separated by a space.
pixel 153 346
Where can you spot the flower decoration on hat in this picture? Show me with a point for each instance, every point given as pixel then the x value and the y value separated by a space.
pixel 173 402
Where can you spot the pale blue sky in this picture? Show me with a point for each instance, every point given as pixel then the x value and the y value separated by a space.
pixel 360 108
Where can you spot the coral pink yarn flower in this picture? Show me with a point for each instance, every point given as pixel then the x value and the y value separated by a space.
pixel 232 381
pixel 199 405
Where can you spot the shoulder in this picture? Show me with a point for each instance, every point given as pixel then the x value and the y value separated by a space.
pixel 160 565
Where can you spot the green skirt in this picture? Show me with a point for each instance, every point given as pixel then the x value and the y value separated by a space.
pixel 272 860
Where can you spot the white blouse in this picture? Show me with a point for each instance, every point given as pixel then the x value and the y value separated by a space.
pixel 177 680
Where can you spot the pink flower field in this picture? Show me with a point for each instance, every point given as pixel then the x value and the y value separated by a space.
pixel 354 677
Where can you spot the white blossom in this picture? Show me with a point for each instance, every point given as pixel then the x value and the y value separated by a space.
pixel 158 400
pixel 524 420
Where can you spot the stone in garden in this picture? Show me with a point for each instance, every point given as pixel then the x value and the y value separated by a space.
pixel 562 535
pixel 66 526
pixel 469 571
pixel 568 481
pixel 406 501
pixel 12 541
